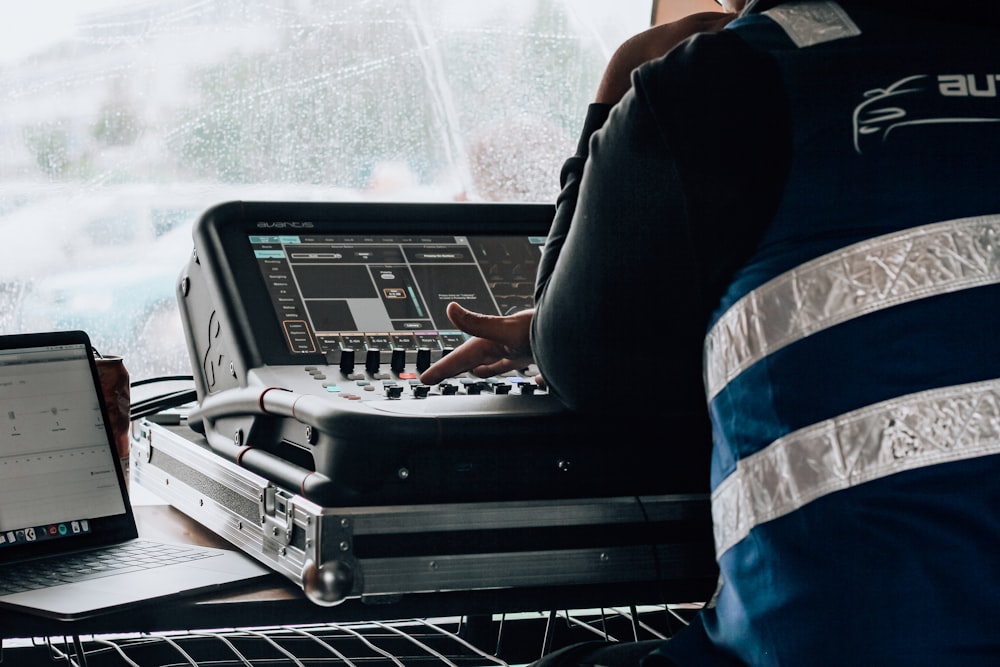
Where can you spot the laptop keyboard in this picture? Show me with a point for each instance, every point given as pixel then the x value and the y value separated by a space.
pixel 131 557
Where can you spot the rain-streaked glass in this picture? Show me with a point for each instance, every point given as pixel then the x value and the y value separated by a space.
pixel 121 122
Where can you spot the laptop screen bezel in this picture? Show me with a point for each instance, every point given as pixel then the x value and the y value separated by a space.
pixel 104 530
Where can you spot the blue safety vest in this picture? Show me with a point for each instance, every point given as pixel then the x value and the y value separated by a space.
pixel 853 368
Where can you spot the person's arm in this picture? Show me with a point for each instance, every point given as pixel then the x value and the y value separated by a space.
pixel 621 274
pixel 615 82
pixel 649 45
pixel 503 343
pixel 679 184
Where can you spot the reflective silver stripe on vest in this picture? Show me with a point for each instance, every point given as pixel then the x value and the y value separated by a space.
pixel 862 278
pixel 810 23
pixel 923 429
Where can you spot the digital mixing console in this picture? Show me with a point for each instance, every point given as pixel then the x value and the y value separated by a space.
pixel 308 326
pixel 315 448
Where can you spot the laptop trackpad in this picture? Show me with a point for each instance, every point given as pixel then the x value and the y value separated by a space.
pixel 107 593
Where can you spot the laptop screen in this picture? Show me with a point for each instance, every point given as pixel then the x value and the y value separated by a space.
pixel 60 482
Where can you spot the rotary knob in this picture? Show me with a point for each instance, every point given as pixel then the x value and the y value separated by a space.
pixel 423 359
pixel 347 362
pixel 398 361
pixel 372 360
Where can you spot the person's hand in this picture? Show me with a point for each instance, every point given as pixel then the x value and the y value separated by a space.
pixel 649 45
pixel 499 344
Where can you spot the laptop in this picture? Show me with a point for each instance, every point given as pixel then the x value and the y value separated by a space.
pixel 69 545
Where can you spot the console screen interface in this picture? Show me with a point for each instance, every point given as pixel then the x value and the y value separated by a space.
pixel 333 293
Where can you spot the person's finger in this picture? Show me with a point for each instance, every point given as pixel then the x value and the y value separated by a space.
pixel 470 354
pixel 497 368
pixel 475 324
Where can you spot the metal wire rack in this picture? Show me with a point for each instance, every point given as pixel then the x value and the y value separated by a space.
pixel 498 640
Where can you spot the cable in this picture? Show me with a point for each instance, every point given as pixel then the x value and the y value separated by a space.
pixel 162 378
pixel 164 401
pixel 151 406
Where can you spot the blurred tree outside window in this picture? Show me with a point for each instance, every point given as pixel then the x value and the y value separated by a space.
pixel 121 121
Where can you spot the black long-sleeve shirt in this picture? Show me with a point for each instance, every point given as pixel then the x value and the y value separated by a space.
pixel 666 196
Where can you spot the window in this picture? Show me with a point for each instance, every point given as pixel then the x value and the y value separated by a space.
pixel 122 121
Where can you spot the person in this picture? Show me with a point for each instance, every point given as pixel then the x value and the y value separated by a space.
pixel 795 208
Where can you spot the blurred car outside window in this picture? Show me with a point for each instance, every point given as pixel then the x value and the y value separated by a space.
pixel 122 122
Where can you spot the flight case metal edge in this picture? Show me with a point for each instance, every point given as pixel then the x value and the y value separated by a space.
pixel 316 547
